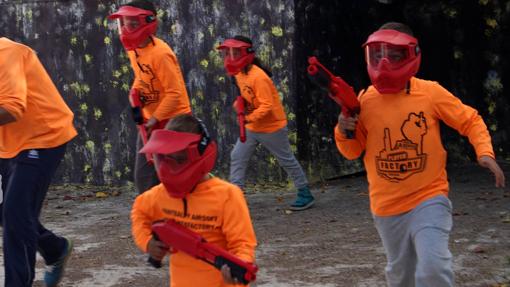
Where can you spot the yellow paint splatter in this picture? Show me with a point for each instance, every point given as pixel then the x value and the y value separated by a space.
pixel 457 54
pixel 116 73
pixel 204 63
pixel 107 148
pixel 173 29
pixel 493 23
pixel 90 146
pixel 200 95
pixel 160 13
pixel 451 13
pixel 97 113
pixel 88 58
pixel 492 107
pixel 277 31
pixel 84 108
pixel 215 58
pixel 29 15
pixel 79 89
pixel 73 40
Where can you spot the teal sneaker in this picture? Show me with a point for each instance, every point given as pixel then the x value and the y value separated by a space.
pixel 55 272
pixel 304 200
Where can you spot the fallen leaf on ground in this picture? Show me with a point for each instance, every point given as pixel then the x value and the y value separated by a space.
pixel 101 194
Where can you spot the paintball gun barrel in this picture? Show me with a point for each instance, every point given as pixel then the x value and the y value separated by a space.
pixel 240 105
pixel 337 89
pixel 179 238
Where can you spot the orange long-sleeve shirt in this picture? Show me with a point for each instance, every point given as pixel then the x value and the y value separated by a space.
pixel 404 157
pixel 264 109
pixel 216 210
pixel 43 120
pixel 159 78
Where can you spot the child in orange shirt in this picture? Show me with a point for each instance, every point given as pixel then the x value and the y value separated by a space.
pixel 266 122
pixel 35 127
pixel 398 129
pixel 184 155
pixel 158 78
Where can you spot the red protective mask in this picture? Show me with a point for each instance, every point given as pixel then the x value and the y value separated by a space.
pixel 392 59
pixel 236 55
pixel 135 25
pixel 181 159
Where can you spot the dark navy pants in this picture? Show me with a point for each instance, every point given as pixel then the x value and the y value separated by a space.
pixel 25 181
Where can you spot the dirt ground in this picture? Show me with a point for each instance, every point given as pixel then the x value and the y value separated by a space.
pixel 332 244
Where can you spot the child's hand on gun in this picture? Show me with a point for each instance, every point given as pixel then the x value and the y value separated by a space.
pixel 150 124
pixel 347 123
pixel 492 165
pixel 157 249
pixel 227 275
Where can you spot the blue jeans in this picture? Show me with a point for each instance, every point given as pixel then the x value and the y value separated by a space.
pixel 25 181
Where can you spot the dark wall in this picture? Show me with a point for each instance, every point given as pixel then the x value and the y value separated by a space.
pixel 464 49
pixel 88 64
pixel 463 45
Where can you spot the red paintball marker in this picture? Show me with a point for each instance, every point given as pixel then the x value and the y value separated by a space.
pixel 136 107
pixel 182 239
pixel 240 105
pixel 337 88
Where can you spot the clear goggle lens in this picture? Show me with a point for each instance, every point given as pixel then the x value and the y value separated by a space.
pixel 178 161
pixel 395 55
pixel 232 53
pixel 128 23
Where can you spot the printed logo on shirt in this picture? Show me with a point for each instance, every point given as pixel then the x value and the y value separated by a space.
pixel 150 94
pixel 33 153
pixel 398 162
pixel 194 221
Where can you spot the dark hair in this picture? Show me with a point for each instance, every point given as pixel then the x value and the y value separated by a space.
pixel 256 61
pixel 191 124
pixel 243 39
pixel 143 4
pixel 398 27
pixel 185 123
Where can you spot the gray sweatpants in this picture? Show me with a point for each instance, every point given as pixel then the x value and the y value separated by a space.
pixel 145 173
pixel 278 145
pixel 416 245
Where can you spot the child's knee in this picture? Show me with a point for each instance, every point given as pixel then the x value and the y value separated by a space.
pixel 434 267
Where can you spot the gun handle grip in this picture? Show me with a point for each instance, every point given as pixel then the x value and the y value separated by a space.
pixel 154 263
pixel 349 134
